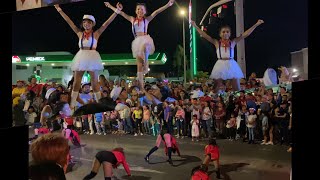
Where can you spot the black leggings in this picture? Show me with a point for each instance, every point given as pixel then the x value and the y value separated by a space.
pixel 231 133
pixel 106 156
pixel 138 123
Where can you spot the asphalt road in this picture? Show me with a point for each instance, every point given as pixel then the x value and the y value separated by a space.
pixel 239 161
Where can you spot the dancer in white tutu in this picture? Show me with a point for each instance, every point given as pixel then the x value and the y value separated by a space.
pixel 226 67
pixel 87 58
pixel 142 45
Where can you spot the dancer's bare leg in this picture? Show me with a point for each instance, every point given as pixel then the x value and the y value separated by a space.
pixel 96 165
pixel 107 169
pixel 271 134
pixel 217 166
pixel 206 160
pixel 146 57
pixel 140 63
pixel 95 84
pixel 76 87
pixel 95 168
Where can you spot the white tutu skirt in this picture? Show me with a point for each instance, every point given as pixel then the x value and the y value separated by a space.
pixel 226 69
pixel 139 43
pixel 87 60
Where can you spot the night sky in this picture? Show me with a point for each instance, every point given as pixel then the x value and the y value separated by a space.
pixel 285 30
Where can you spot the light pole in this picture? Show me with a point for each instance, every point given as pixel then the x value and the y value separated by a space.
pixel 183 13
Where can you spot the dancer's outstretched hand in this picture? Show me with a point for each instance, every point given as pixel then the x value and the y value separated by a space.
pixel 119 6
pixel 171 2
pixel 107 4
pixel 57 7
pixel 260 22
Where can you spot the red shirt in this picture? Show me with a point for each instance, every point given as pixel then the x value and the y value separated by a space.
pixel 200 175
pixel 69 121
pixel 36 88
pixel 122 160
pixel 174 145
pixel 43 130
pixel 213 151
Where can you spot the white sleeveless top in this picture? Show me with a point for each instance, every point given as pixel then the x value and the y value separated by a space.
pixel 86 43
pixel 227 52
pixel 140 26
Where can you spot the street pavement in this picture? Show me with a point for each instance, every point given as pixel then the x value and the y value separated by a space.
pixel 239 161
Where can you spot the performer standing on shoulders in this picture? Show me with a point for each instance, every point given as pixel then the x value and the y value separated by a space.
pixel 142 45
pixel 87 58
pixel 226 67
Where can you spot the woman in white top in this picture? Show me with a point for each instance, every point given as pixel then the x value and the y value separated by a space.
pixel 226 67
pixel 87 58
pixel 142 45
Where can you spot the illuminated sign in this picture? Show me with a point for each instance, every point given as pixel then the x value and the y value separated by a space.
pixel 16 59
pixel 35 59
pixel 164 58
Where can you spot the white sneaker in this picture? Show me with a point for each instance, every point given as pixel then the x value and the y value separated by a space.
pixel 141 134
pixel 269 143
pixel 135 134
pixel 263 143
pixel 104 133
pixel 91 133
pixel 98 133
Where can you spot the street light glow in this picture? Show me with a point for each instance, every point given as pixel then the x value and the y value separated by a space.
pixel 182 12
pixel 295 70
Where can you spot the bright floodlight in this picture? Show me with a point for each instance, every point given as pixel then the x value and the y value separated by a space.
pixel 295 70
pixel 182 12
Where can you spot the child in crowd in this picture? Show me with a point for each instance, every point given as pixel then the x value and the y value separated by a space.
pixel 231 127
pixel 195 127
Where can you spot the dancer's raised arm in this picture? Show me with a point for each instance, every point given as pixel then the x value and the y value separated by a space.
pixel 156 12
pixel 205 35
pixel 68 20
pixel 249 31
pixel 107 22
pixel 118 11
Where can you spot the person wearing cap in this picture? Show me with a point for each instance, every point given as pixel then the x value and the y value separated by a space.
pixel 142 45
pixel 87 58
